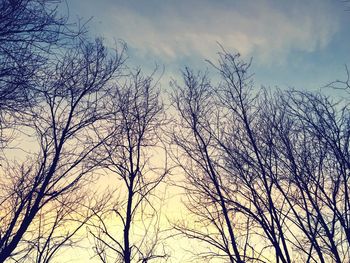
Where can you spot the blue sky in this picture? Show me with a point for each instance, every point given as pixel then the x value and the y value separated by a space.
pixel 301 44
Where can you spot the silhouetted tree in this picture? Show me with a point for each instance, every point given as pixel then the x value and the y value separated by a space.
pixel 129 232
pixel 29 30
pixel 274 161
pixel 71 92
pixel 59 227
pixel 315 151
pixel 201 161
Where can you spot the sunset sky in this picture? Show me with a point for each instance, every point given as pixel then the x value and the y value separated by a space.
pixel 174 131
pixel 301 44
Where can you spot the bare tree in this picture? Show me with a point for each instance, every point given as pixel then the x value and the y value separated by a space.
pixel 246 143
pixel 29 29
pixel 316 149
pixel 206 180
pixel 130 156
pixel 280 159
pixel 71 92
pixel 59 228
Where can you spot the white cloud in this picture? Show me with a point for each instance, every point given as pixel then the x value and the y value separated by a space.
pixel 265 29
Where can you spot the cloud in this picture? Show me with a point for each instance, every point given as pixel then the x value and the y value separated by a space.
pixel 267 30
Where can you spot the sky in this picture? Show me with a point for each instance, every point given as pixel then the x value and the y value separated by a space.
pixel 300 44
